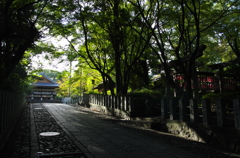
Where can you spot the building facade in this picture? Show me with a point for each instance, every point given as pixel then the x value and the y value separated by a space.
pixel 44 89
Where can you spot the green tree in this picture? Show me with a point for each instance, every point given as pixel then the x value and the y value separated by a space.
pixel 177 29
pixel 109 44
pixel 17 33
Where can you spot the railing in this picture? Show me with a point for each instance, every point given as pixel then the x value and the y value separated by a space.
pixel 11 105
pixel 222 113
pixel 76 100
pixel 219 113
pixel 115 102
pixel 210 82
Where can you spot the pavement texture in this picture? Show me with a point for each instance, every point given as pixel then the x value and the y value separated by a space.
pixel 77 132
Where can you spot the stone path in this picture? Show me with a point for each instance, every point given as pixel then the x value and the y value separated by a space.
pixel 100 139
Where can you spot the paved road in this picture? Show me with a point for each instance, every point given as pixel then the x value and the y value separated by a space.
pixel 100 139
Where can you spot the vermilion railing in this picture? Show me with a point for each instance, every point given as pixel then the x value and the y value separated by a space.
pixel 211 82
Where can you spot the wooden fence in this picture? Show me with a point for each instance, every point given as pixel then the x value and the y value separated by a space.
pixel 11 105
pixel 220 113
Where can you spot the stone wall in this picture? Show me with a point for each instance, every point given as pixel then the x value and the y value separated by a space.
pixel 228 138
pixel 110 111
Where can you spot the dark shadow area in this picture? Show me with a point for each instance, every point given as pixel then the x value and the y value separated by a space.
pixel 18 142
pixel 201 149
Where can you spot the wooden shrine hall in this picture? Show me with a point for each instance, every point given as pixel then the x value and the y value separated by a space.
pixel 44 89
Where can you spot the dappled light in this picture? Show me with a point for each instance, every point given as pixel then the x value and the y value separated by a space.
pixel 171 67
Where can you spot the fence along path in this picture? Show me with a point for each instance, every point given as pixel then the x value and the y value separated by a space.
pixel 11 105
pixel 176 109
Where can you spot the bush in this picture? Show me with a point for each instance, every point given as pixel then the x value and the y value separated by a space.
pixel 146 98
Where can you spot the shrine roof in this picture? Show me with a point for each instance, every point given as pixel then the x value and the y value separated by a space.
pixel 45 81
pixel 40 84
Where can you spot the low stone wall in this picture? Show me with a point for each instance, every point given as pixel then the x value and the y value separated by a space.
pixel 224 137
pixel 110 111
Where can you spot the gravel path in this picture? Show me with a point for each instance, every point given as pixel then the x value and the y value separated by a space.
pixel 21 140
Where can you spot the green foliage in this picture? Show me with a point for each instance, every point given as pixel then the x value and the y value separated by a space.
pixel 80 82
pixel 233 70
pixel 228 96
pixel 145 93
pixel 17 81
pixel 52 74
pixel 122 40
pixel 18 33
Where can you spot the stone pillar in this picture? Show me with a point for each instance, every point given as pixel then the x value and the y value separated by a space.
pixel 206 111
pixel 124 100
pixel 120 102
pixel 182 109
pixel 236 111
pixel 173 108
pixel 127 103
pixel 106 100
pixel 194 117
pixel 130 105
pixel 110 101
pixel 164 108
pixel 221 112
pixel 113 102
pixel 117 102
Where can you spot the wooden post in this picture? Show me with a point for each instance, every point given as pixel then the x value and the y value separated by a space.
pixel 164 108
pixel 193 110
pixel 221 112
pixel 206 111
pixel 236 111
pixel 172 108
pixel 182 109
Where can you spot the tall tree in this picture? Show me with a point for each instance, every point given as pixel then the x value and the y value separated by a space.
pixel 17 32
pixel 177 27
pixel 113 18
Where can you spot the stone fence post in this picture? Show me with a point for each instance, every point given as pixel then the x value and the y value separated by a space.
pixel 130 104
pixel 194 117
pixel 182 109
pixel 221 112
pixel 236 111
pixel 164 108
pixel 206 111
pixel 173 108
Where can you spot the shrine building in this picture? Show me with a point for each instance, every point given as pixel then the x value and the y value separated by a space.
pixel 44 89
